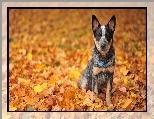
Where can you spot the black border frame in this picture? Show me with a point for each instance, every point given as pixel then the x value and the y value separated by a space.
pixel 8 8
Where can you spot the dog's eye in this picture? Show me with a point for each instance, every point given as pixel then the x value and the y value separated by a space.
pixel 107 35
pixel 100 33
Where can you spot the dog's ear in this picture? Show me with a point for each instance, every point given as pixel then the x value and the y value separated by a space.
pixel 112 23
pixel 95 23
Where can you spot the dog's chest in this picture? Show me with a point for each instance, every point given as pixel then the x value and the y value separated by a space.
pixel 104 66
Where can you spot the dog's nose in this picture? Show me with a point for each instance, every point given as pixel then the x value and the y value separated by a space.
pixel 103 46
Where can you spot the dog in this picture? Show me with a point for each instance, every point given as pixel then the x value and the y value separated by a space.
pixel 100 68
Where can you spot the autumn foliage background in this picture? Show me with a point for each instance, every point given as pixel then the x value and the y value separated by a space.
pixel 49 49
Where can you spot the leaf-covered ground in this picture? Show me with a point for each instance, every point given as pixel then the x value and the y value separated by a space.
pixel 49 49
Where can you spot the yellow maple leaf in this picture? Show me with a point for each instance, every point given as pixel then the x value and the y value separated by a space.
pixel 38 89
pixel 54 79
pixel 133 95
pixel 119 58
pixel 87 102
pixel 42 100
pixel 12 108
pixel 74 74
pixel 125 62
pixel 84 63
pixel 124 70
pixel 44 85
pixel 126 80
pixel 78 101
pixel 29 56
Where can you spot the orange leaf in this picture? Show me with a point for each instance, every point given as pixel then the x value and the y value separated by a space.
pixel 21 91
pixel 123 70
pixel 127 102
pixel 23 81
pixel 52 81
pixel 49 101
pixel 11 66
pixel 62 89
pixel 29 100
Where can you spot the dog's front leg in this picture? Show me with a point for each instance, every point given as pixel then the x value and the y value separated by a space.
pixel 94 84
pixel 108 92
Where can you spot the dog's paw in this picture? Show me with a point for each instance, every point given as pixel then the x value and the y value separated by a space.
pixel 108 102
pixel 108 99
pixel 96 92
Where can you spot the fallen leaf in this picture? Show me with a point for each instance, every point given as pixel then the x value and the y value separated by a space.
pixel 45 66
pixel 12 108
pixel 126 80
pixel 29 56
pixel 23 51
pixel 23 81
pixel 44 86
pixel 122 89
pixel 37 89
pixel 42 100
pixel 62 89
pixel 52 81
pixel 124 70
pixel 84 63
pixel 133 95
pixel 126 103
pixel 74 74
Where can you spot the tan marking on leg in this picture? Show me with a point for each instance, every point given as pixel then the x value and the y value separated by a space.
pixel 108 93
pixel 97 70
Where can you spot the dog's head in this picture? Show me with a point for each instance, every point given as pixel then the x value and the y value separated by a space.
pixel 103 34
